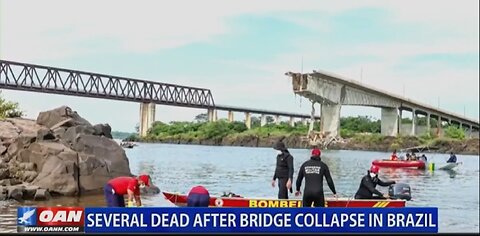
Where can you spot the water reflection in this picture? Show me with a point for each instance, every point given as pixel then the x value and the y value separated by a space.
pixel 248 172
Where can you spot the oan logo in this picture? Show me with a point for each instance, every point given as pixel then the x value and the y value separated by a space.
pixel 60 216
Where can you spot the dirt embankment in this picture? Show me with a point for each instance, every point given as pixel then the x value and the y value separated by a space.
pixel 373 143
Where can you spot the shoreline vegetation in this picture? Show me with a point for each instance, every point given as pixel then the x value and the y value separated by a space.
pixel 358 133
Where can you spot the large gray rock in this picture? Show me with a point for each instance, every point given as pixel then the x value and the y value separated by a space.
pixel 58 176
pixel 60 153
pixel 100 159
pixel 28 128
pixel 60 115
pixel 3 149
pixel 45 134
pixel 103 130
pixel 72 133
pixel 15 192
pixel 4 173
pixel 41 195
pixel 8 131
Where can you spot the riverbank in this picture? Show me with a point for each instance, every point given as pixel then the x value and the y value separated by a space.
pixel 363 142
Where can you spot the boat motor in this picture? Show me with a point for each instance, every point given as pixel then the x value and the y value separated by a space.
pixel 400 191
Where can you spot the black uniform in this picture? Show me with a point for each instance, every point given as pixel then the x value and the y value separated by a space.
pixel 283 172
pixel 367 187
pixel 314 170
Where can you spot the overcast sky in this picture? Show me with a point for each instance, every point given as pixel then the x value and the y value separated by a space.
pixel 241 50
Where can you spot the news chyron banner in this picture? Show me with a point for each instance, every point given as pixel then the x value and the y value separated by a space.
pixel 227 220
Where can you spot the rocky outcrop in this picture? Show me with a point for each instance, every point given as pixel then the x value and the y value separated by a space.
pixel 60 153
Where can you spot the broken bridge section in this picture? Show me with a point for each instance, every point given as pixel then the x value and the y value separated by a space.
pixel 332 91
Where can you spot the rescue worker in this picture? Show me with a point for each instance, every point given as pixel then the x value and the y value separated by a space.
pixel 452 159
pixel 314 170
pixel 198 197
pixel 125 185
pixel 369 182
pixel 283 170
pixel 394 156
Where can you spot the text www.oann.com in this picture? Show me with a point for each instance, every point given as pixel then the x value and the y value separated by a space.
pixel 52 229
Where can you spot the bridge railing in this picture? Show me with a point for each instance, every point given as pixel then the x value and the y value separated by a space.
pixel 37 78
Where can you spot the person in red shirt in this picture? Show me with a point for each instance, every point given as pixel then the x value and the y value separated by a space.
pixel 125 185
pixel 394 156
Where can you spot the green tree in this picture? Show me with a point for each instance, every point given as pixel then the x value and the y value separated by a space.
pixel 9 109
pixel 454 132
pixel 203 117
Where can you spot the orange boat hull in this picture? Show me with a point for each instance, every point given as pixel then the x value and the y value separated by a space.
pixel 181 200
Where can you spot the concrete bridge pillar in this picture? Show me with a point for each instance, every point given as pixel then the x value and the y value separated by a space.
pixel 292 121
pixel 304 121
pixel 230 116
pixel 389 121
pixel 147 117
pixel 248 120
pixel 263 120
pixel 470 132
pixel 428 123
pixel 277 119
pixel 330 119
pixel 212 115
pixel 439 126
pixel 414 122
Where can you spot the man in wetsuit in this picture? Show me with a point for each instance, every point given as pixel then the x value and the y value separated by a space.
pixel 117 187
pixel 198 197
pixel 283 170
pixel 369 182
pixel 314 170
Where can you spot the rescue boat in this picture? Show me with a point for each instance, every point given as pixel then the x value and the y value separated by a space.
pixel 399 164
pixel 181 200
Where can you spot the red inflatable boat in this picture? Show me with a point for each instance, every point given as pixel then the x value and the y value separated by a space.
pixel 399 164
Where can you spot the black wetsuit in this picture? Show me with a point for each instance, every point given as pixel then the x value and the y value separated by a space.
pixel 367 187
pixel 313 170
pixel 283 172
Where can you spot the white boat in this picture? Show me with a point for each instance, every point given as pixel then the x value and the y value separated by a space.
pixel 449 166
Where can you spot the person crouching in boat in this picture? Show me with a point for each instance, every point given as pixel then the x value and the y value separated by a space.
pixel 125 185
pixel 198 197
pixel 283 170
pixel 394 156
pixel 314 170
pixel 367 188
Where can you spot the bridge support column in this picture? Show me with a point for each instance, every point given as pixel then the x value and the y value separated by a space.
pixel 230 116
pixel 292 121
pixel 439 126
pixel 414 123
pixel 330 119
pixel 304 121
pixel 389 121
pixel 147 117
pixel 248 120
pixel 428 123
pixel 263 120
pixel 212 115
pixel 277 119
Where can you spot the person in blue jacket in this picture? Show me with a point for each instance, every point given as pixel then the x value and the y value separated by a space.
pixel 452 159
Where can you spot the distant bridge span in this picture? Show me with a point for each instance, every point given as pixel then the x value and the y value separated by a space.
pixel 52 80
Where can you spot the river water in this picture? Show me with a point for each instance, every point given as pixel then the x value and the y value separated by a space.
pixel 248 172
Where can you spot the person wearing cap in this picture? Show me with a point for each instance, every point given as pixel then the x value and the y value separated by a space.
pixel 198 197
pixel 116 188
pixel 367 188
pixel 314 170
pixel 283 170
